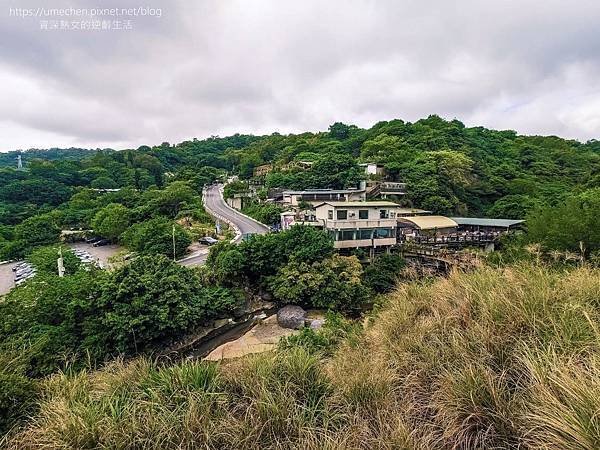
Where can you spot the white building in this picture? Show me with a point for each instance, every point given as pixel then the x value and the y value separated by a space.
pixel 315 196
pixel 373 169
pixel 359 224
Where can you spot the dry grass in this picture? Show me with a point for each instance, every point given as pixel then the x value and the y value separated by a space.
pixel 493 359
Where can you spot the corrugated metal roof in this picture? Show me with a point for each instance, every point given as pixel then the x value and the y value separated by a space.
pixel 411 211
pixel 430 222
pixel 484 222
pixel 359 204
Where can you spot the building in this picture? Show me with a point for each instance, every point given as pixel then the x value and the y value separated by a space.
pixel 483 225
pixel 359 224
pixel 239 200
pixel 316 196
pixel 413 226
pixel 373 169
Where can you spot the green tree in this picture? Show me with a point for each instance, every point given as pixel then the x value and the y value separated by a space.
pixel 155 236
pixel 382 274
pixel 38 230
pixel 111 221
pixel 149 300
pixel 572 225
pixel 45 260
pixel 104 182
pixel 334 283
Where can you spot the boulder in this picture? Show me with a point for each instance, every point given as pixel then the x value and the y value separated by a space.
pixel 291 316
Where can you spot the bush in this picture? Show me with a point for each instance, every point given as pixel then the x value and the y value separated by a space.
pixel 325 340
pixel 60 322
pixel 17 395
pixel 382 274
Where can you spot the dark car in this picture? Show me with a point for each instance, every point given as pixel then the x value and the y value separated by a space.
pixel 101 243
pixel 207 240
pixel 93 240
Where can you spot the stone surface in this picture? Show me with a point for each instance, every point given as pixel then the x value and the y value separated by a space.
pixel 291 316
pixel 315 324
pixel 261 338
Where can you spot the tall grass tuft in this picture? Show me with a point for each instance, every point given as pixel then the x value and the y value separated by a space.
pixel 495 359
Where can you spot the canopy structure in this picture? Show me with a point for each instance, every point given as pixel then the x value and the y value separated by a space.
pixel 429 222
pixel 484 222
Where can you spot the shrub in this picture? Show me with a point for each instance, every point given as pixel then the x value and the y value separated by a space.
pixel 382 274
pixel 17 395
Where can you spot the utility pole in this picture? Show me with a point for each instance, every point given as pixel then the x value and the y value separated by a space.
pixel 174 257
pixel 60 262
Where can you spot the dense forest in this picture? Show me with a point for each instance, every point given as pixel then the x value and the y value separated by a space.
pixel 149 200
pixel 448 168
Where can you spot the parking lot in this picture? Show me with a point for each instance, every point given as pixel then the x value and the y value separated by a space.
pixel 101 254
pixel 7 277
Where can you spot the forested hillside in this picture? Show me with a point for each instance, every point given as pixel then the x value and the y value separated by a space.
pixel 478 385
pixel 448 168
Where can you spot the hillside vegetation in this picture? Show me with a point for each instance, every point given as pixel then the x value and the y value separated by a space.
pixel 498 358
pixel 448 168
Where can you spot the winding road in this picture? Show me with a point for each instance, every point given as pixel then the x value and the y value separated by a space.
pixel 216 206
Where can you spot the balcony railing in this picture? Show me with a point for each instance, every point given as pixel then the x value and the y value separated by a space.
pixel 360 223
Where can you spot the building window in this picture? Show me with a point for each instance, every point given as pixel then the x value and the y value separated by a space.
pixel 330 214
pixel 383 233
pixel 365 233
pixel 346 235
pixel 363 213
pixel 384 214
pixel 342 214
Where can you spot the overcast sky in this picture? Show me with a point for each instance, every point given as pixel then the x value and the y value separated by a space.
pixel 216 67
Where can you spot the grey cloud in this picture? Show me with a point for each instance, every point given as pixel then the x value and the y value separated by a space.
pixel 219 66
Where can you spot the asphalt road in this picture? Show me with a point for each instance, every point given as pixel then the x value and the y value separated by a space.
pixel 195 259
pixel 216 206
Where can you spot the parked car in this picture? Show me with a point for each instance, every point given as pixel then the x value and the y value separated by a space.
pixel 207 240
pixel 101 243
pixel 93 240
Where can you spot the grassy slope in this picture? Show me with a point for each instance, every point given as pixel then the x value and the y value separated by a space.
pixel 493 359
